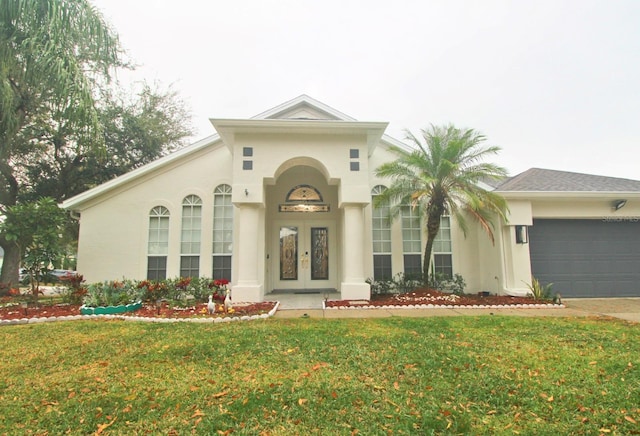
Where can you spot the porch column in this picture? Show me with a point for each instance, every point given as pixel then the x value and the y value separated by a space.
pixel 353 286
pixel 247 286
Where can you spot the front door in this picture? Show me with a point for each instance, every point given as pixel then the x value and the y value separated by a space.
pixel 305 255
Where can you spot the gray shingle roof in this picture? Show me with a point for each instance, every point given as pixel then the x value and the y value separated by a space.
pixel 542 180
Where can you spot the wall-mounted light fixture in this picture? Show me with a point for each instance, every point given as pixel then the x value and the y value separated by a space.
pixel 619 204
pixel 522 235
pixel 246 192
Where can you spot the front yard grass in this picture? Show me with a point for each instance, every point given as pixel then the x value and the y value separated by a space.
pixel 462 375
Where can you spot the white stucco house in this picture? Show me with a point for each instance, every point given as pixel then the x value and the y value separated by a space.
pixel 283 201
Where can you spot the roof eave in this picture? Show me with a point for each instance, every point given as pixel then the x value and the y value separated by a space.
pixel 77 201
pixel 548 195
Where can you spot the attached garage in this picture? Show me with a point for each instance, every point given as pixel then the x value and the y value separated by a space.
pixel 587 257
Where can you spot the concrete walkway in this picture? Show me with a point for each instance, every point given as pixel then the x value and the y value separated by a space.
pixel 310 306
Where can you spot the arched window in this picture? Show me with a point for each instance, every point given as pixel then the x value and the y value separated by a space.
pixel 158 245
pixel 381 228
pixel 222 232
pixel 190 236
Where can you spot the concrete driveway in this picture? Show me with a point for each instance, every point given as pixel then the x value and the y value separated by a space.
pixel 623 308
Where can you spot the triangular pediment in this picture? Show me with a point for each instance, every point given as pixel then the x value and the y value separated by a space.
pixel 303 112
pixel 303 108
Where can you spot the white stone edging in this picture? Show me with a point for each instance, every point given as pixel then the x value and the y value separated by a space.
pixel 140 318
pixel 452 306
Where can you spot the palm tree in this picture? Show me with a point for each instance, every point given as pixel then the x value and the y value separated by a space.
pixel 443 177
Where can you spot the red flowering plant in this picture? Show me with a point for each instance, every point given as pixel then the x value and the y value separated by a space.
pixel 219 289
pixel 152 290
pixel 75 288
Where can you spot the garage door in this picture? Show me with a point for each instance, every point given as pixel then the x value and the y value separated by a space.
pixel 587 258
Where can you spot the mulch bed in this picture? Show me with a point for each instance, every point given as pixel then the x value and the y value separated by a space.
pixel 435 298
pixel 45 310
pixel 418 297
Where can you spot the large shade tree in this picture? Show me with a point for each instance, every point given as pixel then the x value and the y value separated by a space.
pixel 53 54
pixel 443 174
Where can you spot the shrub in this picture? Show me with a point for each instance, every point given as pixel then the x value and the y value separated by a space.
pixel 381 287
pixel 440 282
pixel 400 284
pixel 75 290
pixel 112 293
pixel 538 291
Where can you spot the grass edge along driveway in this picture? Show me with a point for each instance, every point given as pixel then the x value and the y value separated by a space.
pixel 462 375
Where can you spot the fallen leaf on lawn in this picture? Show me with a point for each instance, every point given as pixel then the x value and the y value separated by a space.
pixel 220 394
pixel 198 412
pixel 71 394
pixel 396 386
pixel 317 366
pixel 302 401
pixel 550 399
pixel 103 427
pixel 193 388
pixel 630 419
pixel 593 363
pixel 334 395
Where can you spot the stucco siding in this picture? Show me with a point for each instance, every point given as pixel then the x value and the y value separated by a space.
pixel 114 228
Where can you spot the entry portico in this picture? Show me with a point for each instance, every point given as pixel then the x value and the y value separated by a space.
pixel 300 187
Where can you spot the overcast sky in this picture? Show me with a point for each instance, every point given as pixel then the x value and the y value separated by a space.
pixel 556 83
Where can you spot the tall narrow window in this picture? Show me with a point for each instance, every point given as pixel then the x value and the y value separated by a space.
pixel 442 262
pixel 158 247
pixel 222 232
pixel 381 227
pixel 190 237
pixel 411 241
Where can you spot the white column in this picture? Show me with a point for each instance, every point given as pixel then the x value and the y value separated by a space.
pixel 247 284
pixel 353 286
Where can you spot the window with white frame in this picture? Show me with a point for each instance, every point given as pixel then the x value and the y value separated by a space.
pixel 411 241
pixel 158 243
pixel 381 228
pixel 222 232
pixel 442 257
pixel 190 236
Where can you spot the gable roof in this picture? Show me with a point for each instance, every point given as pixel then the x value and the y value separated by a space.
pixel 543 180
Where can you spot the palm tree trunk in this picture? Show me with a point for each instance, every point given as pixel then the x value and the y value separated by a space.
pixel 433 226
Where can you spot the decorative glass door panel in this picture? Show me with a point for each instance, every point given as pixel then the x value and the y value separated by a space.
pixel 319 253
pixel 288 253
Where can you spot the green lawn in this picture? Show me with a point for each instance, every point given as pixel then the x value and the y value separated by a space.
pixel 450 375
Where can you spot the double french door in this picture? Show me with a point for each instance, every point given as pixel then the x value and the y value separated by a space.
pixel 305 255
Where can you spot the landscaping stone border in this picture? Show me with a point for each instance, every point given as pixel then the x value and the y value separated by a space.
pixel 447 306
pixel 216 320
